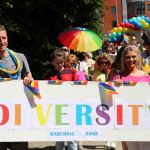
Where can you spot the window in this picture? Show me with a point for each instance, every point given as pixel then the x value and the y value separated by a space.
pixel 148 7
pixel 136 8
pixel 114 24
pixel 140 8
pixel 131 8
pixel 113 9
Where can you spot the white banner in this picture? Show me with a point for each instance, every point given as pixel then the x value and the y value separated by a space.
pixel 92 112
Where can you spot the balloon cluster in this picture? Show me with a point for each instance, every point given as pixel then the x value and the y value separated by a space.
pixel 133 24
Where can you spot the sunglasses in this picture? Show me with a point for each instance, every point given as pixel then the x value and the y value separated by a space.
pixel 65 50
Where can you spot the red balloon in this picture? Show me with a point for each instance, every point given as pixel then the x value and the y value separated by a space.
pixel 122 24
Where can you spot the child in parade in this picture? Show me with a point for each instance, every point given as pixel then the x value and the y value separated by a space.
pixel 71 61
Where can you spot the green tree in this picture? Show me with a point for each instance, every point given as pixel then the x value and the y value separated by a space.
pixel 34 25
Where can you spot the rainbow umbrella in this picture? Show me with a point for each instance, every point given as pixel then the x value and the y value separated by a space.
pixel 80 39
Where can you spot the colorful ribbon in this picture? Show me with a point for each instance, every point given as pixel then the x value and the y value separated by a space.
pixel 12 74
pixel 80 82
pixel 5 79
pixel 55 82
pixel 131 83
pixel 106 93
pixel 34 88
pixel 108 88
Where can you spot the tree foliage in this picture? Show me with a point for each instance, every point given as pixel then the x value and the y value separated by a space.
pixel 34 25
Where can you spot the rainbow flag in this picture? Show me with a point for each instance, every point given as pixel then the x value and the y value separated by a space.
pixel 55 82
pixel 131 83
pixel 107 88
pixel 126 38
pixel 106 93
pixel 34 88
pixel 80 82
pixel 5 79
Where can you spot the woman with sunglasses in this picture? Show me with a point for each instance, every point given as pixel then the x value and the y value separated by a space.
pixel 101 70
pixel 102 67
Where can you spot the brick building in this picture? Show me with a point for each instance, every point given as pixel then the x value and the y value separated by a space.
pixel 147 8
pixel 113 14
pixel 116 11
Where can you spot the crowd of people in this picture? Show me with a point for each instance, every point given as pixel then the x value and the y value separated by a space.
pixel 106 65
pixel 128 61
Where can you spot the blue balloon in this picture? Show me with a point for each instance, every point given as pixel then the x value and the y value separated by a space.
pixel 137 24
pixel 139 18
pixel 114 39
pixel 134 19
pixel 143 17
pixel 110 36
pixel 147 20
pixel 130 21
pixel 134 23
pixel 120 38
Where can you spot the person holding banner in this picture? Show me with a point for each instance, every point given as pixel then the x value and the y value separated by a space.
pixel 13 66
pixel 131 71
pixel 60 73
pixel 71 61
pixel 102 67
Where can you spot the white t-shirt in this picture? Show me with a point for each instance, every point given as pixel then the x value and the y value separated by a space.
pixel 83 66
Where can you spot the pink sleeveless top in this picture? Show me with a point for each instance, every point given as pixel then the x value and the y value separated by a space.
pixel 143 78
pixel 136 79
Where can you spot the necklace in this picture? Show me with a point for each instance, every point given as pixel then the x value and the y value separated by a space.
pixel 11 74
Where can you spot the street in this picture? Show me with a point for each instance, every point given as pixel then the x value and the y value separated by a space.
pixel 94 145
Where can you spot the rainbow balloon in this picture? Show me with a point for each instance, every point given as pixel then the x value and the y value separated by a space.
pixel 133 24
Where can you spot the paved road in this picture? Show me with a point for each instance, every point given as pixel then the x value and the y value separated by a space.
pixel 88 145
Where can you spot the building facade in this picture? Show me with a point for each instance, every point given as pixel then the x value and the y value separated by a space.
pixel 113 14
pixel 116 11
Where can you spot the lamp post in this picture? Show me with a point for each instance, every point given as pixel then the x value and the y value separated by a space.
pixel 116 11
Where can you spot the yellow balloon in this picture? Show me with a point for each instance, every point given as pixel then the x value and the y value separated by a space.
pixel 142 22
pixel 145 25
pixel 119 29
pixel 115 29
pixel 125 30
